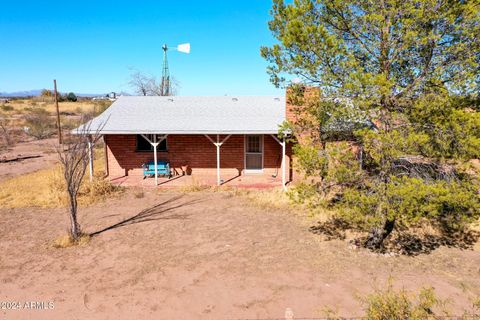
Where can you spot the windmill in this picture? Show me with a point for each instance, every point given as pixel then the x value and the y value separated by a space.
pixel 165 85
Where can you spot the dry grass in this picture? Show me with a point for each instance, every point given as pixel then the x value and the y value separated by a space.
pixel 139 194
pixel 195 186
pixel 82 106
pixel 67 241
pixel 265 199
pixel 279 199
pixel 46 189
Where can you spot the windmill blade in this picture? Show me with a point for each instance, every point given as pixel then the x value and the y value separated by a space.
pixel 184 47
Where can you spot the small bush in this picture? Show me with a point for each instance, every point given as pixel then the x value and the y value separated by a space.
pixel 39 124
pixel 139 194
pixel 96 190
pixel 46 93
pixel 5 107
pixel 401 304
pixel 67 241
pixel 69 123
pixel 5 139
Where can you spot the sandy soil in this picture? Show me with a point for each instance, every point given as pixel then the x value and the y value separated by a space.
pixel 203 256
pixel 41 152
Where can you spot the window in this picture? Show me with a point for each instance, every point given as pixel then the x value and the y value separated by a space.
pixel 144 145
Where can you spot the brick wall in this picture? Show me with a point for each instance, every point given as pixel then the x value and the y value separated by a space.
pixel 196 151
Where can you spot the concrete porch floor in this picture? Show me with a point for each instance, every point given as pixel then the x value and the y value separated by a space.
pixel 255 181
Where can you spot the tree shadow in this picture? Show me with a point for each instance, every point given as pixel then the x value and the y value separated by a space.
pixel 161 211
pixel 402 242
pixel 413 245
pixel 331 229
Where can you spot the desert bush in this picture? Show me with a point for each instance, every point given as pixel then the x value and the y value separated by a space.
pixel 39 124
pixel 68 123
pixel 6 108
pixel 139 194
pixel 400 304
pixel 46 93
pixel 67 241
pixel 4 130
pixel 96 190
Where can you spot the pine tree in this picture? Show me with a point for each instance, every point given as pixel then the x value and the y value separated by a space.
pixel 411 68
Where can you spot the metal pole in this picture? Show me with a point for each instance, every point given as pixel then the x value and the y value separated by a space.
pixel 218 160
pixel 90 156
pixel 58 112
pixel 284 151
pixel 155 157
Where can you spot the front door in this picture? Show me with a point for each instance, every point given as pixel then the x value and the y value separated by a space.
pixel 253 153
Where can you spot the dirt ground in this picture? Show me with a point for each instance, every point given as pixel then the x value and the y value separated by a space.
pixel 204 255
pixel 37 154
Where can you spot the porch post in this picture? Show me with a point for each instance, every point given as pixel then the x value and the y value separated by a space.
pixel 155 144
pixel 218 144
pixel 284 155
pixel 90 157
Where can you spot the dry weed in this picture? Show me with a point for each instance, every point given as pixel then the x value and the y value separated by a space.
pixel 46 188
pixel 67 241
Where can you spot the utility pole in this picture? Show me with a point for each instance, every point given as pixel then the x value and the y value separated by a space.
pixel 58 112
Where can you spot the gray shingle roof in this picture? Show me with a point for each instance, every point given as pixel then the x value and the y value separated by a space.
pixel 192 115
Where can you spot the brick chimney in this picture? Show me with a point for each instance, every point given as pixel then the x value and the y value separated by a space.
pixel 296 99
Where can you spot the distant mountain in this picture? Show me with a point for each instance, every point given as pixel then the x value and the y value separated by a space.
pixel 34 93
pixel 29 93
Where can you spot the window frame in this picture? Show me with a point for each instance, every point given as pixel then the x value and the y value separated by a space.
pixel 150 136
pixel 261 152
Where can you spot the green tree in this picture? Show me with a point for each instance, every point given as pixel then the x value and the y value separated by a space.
pixel 411 67
pixel 71 97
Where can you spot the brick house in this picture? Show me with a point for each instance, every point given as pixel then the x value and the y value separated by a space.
pixel 217 137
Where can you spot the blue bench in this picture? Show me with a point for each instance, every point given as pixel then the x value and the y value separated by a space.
pixel 163 169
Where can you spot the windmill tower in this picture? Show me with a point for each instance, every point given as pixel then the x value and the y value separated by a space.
pixel 166 84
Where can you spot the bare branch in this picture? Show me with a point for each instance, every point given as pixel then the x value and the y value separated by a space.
pixel 73 156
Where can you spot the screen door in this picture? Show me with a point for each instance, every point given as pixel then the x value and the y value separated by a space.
pixel 253 153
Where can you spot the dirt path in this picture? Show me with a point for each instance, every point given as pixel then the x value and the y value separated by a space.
pixel 202 256
pixel 39 154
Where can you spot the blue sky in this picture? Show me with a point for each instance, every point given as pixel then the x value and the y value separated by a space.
pixel 92 46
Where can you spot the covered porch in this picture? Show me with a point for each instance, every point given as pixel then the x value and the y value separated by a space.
pixel 200 180
pixel 237 160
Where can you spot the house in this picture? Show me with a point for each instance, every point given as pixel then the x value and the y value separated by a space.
pixel 215 137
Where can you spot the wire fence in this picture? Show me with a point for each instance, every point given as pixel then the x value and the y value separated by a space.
pixel 453 317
